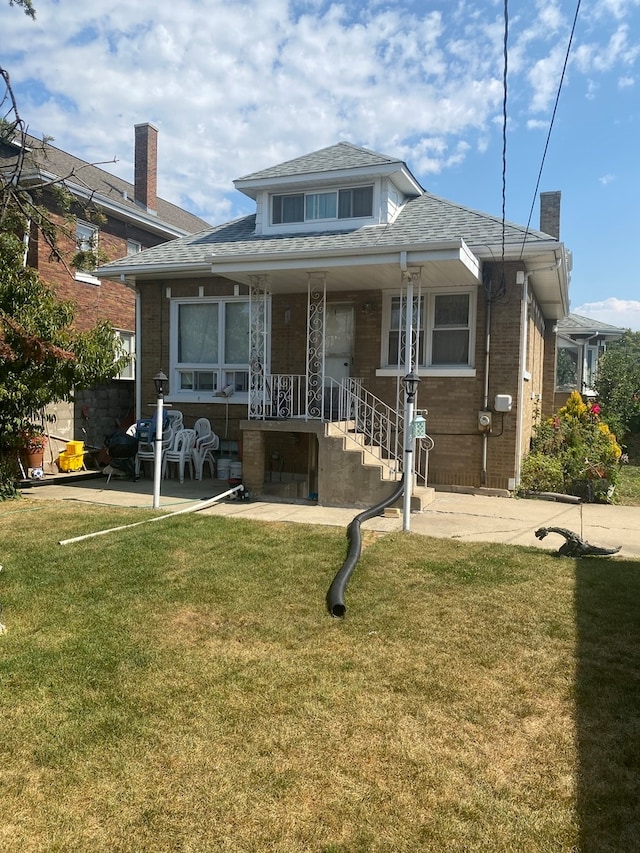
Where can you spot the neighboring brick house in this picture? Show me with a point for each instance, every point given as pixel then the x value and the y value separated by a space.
pixel 132 218
pixel 288 326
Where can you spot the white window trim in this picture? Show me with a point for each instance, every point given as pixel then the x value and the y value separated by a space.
pixel 265 224
pixel 175 395
pixel 132 337
pixel 83 275
pixel 428 369
pixel 87 278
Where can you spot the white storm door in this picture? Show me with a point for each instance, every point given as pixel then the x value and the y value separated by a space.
pixel 338 350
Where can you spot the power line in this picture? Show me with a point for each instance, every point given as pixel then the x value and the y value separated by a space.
pixel 553 116
pixel 504 121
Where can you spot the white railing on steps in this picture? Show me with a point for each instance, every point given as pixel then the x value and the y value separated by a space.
pixel 352 410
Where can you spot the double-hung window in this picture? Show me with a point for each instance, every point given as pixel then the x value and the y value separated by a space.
pixel 86 247
pixel 128 348
pixel 209 347
pixel 443 332
pixel 351 203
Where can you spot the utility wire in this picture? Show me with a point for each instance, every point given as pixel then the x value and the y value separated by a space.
pixel 553 116
pixel 505 69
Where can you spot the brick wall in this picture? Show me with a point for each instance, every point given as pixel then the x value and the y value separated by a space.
pixel 453 403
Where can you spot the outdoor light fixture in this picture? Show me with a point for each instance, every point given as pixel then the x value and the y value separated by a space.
pixel 159 380
pixel 411 382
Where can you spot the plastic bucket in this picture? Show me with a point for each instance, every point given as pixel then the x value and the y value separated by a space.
pixel 223 468
pixel 235 471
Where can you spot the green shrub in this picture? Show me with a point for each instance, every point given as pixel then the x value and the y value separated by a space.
pixel 573 452
pixel 541 473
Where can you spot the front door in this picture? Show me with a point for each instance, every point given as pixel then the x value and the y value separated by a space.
pixel 338 342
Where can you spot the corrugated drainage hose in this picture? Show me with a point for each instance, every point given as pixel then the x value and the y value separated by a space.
pixel 335 593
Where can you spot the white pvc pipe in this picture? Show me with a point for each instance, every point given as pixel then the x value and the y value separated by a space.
pixel 193 508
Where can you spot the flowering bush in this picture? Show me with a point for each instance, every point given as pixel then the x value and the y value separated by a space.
pixel 575 451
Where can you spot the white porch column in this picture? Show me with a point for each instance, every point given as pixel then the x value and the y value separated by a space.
pixel 412 279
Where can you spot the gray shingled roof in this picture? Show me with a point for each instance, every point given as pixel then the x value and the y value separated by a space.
pixel 342 155
pixel 577 324
pixel 425 219
pixel 48 158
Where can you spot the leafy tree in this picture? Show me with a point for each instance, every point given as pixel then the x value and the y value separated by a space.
pixel 43 358
pixel 618 384
pixel 26 5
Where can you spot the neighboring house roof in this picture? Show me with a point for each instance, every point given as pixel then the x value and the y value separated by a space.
pixel 44 159
pixel 578 326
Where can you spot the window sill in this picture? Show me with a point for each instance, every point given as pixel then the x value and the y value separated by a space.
pixel 468 372
pixel 207 398
pixel 87 278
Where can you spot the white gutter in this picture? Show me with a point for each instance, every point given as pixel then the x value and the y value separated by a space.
pixel 137 215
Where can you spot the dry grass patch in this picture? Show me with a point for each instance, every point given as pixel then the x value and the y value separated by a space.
pixel 180 687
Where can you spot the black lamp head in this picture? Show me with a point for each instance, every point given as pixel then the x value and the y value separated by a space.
pixel 159 380
pixel 411 382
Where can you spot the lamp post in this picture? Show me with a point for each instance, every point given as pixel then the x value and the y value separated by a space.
pixel 159 381
pixel 410 383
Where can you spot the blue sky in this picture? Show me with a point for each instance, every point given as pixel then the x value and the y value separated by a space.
pixel 238 85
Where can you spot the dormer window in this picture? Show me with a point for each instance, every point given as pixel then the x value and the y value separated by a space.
pixel 352 203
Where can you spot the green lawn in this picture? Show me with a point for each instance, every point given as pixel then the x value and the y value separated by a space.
pixel 628 487
pixel 180 687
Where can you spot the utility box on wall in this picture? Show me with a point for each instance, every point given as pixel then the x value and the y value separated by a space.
pixel 502 403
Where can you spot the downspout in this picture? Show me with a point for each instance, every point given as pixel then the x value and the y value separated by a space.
pixel 138 348
pixel 485 393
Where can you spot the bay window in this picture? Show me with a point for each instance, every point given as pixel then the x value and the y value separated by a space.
pixel 209 346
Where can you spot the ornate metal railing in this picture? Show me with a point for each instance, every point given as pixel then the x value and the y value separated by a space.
pixel 360 415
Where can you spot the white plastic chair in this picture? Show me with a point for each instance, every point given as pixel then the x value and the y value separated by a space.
pixel 180 453
pixel 175 419
pixel 147 451
pixel 203 452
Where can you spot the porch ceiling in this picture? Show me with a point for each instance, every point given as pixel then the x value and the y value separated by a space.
pixel 450 263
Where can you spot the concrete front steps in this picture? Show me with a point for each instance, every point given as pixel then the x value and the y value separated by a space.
pixel 352 474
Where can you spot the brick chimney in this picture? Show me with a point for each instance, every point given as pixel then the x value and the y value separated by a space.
pixel 146 166
pixel 550 213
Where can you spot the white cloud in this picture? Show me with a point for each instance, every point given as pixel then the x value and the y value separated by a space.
pixel 624 313
pixel 626 82
pixel 607 179
pixel 237 85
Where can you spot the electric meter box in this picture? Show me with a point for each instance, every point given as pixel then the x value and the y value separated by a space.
pixel 484 421
pixel 502 403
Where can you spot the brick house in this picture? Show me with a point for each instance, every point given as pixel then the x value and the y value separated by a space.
pixel 292 329
pixel 131 218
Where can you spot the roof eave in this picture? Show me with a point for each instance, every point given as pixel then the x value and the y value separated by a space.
pixel 149 222
pixel 397 171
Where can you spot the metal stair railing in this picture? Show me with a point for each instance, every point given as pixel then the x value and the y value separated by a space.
pixel 373 424
pixel 355 412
